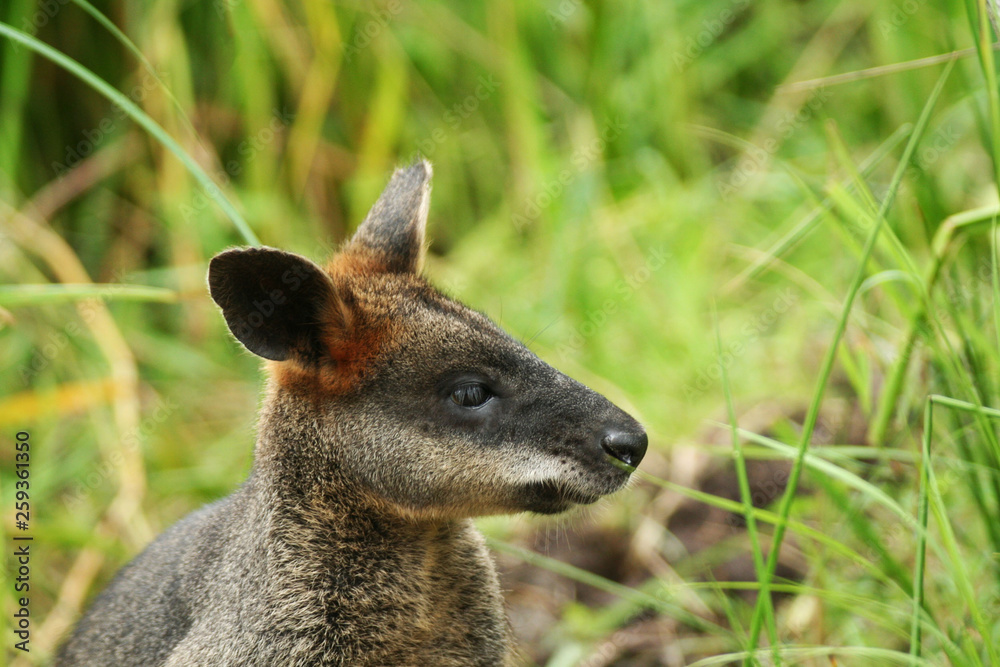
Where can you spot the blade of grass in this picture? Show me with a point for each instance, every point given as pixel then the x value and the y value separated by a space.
pixel 977 385
pixel 827 367
pixel 806 225
pixel 639 597
pixel 796 527
pixel 746 496
pixel 14 86
pixel 958 370
pixel 995 278
pixel 33 295
pixel 139 116
pixel 964 374
pixel 984 48
pixel 875 610
pixel 128 44
pixel 922 506
pixel 965 406
pixel 868 530
pixel 880 70
pixel 802 654
pixel 959 571
pixel 944 238
pixel 832 472
pixel 843 156
pixel 63 399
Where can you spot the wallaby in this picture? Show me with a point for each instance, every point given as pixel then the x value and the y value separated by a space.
pixel 393 416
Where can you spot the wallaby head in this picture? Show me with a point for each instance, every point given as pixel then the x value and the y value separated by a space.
pixel 393 414
pixel 388 393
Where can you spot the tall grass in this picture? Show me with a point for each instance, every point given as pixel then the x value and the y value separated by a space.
pixel 825 173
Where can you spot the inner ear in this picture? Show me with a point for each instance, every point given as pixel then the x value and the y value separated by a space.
pixel 274 302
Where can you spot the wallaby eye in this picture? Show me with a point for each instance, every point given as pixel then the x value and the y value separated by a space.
pixel 471 394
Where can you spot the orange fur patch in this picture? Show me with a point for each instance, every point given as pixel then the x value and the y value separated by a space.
pixel 354 262
pixel 350 360
pixel 353 337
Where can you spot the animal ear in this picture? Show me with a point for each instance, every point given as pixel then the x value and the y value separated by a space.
pixel 393 230
pixel 275 303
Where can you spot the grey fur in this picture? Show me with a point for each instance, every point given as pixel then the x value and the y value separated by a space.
pixel 395 224
pixel 351 542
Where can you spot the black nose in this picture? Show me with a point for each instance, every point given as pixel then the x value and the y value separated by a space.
pixel 627 447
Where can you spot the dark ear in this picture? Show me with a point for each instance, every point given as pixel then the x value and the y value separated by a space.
pixel 274 301
pixel 393 230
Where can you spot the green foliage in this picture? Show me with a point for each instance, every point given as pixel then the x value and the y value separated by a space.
pixel 608 174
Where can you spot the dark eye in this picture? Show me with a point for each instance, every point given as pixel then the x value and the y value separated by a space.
pixel 471 394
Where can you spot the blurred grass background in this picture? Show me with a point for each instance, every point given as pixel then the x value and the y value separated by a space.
pixel 607 176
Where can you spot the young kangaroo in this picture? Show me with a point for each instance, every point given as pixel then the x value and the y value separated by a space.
pixel 393 415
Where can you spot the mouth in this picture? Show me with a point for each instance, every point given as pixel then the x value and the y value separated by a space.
pixel 553 497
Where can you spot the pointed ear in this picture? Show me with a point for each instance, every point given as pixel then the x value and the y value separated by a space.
pixel 393 230
pixel 274 302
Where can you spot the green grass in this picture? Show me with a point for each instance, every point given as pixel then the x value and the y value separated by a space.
pixel 604 173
